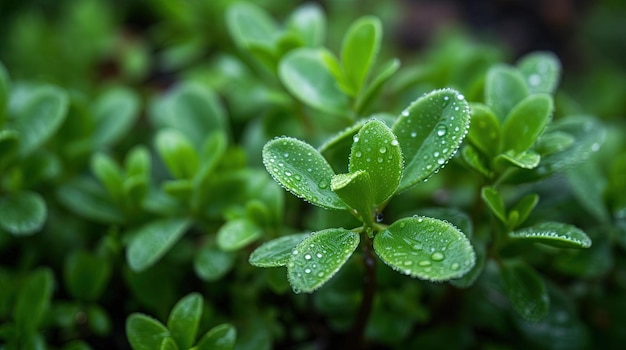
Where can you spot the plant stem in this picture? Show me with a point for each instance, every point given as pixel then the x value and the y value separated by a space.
pixel 357 336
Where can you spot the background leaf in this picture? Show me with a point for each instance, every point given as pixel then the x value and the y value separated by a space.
pixel 504 88
pixel 359 50
pixel 526 290
pixel 493 200
pixel 23 213
pixel 86 275
pixel 236 234
pixel 309 22
pixel 485 131
pixel 542 71
pixel 184 320
pixel 153 240
pixel 115 112
pixel 211 263
pixel 33 300
pixel 144 332
pixel 250 25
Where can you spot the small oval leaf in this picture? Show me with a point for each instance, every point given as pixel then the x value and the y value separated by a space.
pixel 249 25
pixel 525 160
pixel 184 320
pixel 177 153
pixel 493 200
pixel 153 241
pixel 484 132
pixel 542 71
pixel 425 248
pixel 221 337
pixel 211 263
pixel 144 332
pixel 526 122
pixel 318 257
pixel 236 234
pixel 23 213
pixel 359 50
pixel 526 290
pixel 115 112
pixel 356 190
pixel 504 88
pixel 554 234
pixel 276 252
pixel 430 131
pixel 309 22
pixel 33 300
pixel 301 170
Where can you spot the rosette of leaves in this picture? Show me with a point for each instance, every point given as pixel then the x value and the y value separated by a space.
pixel 383 162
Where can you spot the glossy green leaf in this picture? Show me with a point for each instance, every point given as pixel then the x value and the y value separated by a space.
pixel 523 208
pixel 555 234
pixel 526 122
pixel 359 50
pixel 356 190
pixel 504 88
pixel 144 332
pixel 385 73
pixel 40 117
pixel 301 170
pixel 114 113
pixel 23 213
pixel 492 198
pixel 376 150
pixel 86 275
pixel 184 320
pixel 425 248
pixel 318 257
pixel 178 153
pixel 468 279
pixel 109 174
pixel 526 160
pixel 211 263
pixel 168 343
pixel 475 160
pixel 221 337
pixel 485 131
pixel 526 290
pixel 250 25
pixel 9 147
pixel 236 234
pixel 430 131
pixel 542 71
pixel 306 76
pixel 309 22
pixel 33 299
pixel 153 240
pixel 276 252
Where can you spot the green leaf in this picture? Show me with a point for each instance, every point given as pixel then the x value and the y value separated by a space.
pixel 554 234
pixel 504 88
pixel 138 162
pixel 178 153
pixel 385 73
pixel 211 263
pixel 359 50
pixel 153 240
pixel 276 252
pixel 168 344
pixel 9 147
pixel 484 132
pixel 425 248
pixel 109 174
pixel 144 332
pixel 86 275
pixel 236 234
pixel 114 113
pixel 309 22
pixel 475 160
pixel 376 151
pixel 318 257
pixel 542 71
pixel 476 271
pixel 4 93
pixel 40 117
pixel 221 337
pixel 33 300
pixel 524 207
pixel 87 198
pixel 430 131
pixel 590 194
pixel 356 190
pixel 492 198
pixel 250 25
pixel 553 142
pixel 99 321
pixel 526 122
pixel 23 213
pixel 306 76
pixel 184 320
pixel 526 160
pixel 526 290
pixel 301 170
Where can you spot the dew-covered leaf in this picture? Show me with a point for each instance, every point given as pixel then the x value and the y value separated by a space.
pixel 211 263
pixel 114 114
pixel 249 25
pixel 492 198
pixel 468 279
pixel 555 234
pixel 145 332
pixel 355 189
pixel 504 88
pixel 236 234
pixel 485 131
pixel 309 22
pixel 302 170
pixel 184 319
pixel 430 131
pixel 153 240
pixel 426 248
pixel 306 76
pixel 526 290
pixel 22 213
pixel 359 50
pixel 220 337
pixel 526 122
pixel 542 71
pixel 318 257
pixel 276 252
pixel 376 150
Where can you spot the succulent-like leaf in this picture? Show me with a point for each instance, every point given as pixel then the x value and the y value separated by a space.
pixel 359 50
pixel 22 213
pixel 114 114
pixel 87 198
pixel 526 122
pixel 305 74
pixel 542 71
pixel 145 332
pixel 555 234
pixel 138 162
pixel 221 337
pixel 504 88
pixel 524 207
pixel 309 22
pixel 249 25
pixel 485 131
pixel 109 174
pixel 276 252
pixel 211 263
pixel 385 73
pixel 168 343
pixel 426 248
pixel 526 160
pixel 302 170
pixel 376 150
pixel 476 160
pixel 430 131
pixel 474 273
pixel 184 319
pixel 318 257
pixel 177 153
pixel 526 290
pixel 355 189
pixel 86 275
pixel 152 241
pixel 236 234
pixel 492 198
